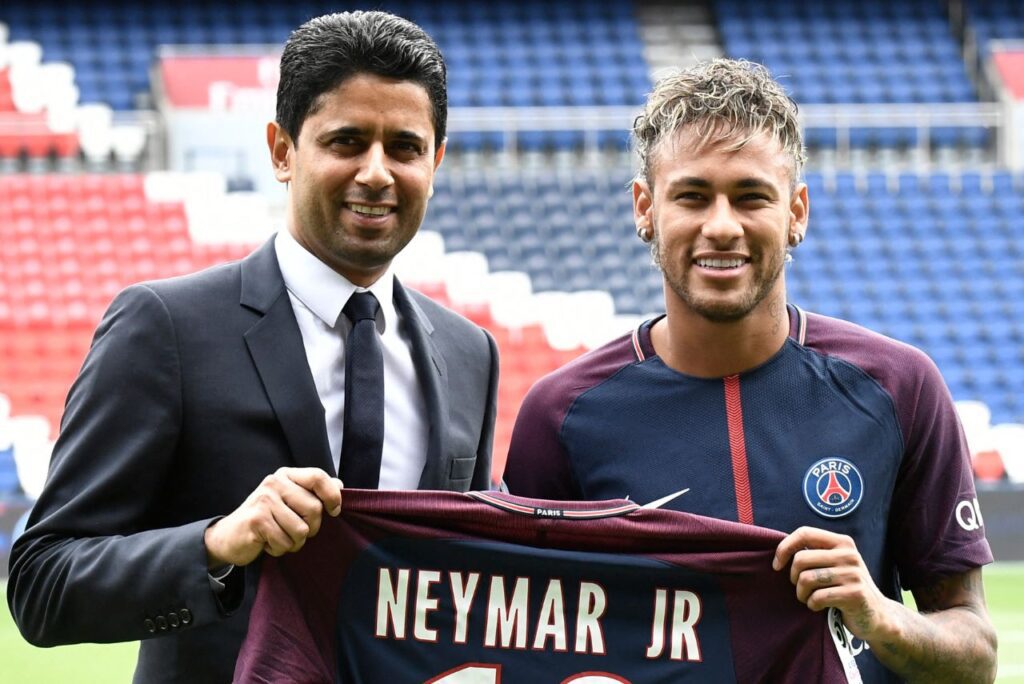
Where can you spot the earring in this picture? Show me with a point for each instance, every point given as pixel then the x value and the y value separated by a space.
pixel 644 234
pixel 795 238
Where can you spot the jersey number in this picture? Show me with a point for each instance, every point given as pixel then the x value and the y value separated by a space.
pixel 479 673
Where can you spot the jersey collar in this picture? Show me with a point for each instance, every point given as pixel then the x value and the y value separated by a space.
pixel 643 348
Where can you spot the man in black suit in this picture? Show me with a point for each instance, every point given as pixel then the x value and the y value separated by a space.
pixel 206 425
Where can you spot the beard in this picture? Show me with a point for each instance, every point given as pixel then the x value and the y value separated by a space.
pixel 768 268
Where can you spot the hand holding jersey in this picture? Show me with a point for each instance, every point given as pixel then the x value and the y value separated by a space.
pixel 278 517
pixel 828 572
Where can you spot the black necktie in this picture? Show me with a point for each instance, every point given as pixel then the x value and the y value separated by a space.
pixel 363 435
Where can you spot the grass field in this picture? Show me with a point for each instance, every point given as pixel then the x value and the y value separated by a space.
pixel 111 663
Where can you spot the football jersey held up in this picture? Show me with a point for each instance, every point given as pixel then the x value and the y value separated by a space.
pixel 457 588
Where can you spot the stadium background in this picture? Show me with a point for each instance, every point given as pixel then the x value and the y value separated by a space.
pixel 130 149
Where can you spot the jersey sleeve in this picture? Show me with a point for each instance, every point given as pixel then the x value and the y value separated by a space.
pixel 538 464
pixel 936 526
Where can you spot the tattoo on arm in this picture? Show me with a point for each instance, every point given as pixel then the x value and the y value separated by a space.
pixel 965 590
pixel 952 639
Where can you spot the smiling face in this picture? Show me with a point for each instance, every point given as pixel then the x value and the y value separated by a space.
pixel 721 220
pixel 360 173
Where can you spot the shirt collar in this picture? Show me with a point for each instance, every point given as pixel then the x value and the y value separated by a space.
pixel 323 290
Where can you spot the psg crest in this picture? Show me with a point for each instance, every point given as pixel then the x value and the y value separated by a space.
pixel 833 487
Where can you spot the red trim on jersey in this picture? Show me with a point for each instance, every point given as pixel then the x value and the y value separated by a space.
pixel 738 448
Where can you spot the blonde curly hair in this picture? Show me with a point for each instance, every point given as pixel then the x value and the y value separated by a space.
pixel 730 100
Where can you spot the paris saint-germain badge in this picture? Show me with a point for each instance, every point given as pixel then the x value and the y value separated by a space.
pixel 833 487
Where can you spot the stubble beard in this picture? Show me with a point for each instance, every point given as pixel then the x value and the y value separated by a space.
pixel 366 249
pixel 716 309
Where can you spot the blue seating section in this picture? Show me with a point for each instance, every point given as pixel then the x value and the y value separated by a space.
pixel 870 51
pixel 527 53
pixel 994 20
pixel 570 234
pixel 535 53
pixel 936 261
pixel 842 52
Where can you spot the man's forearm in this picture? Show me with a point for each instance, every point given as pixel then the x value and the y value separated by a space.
pixel 956 644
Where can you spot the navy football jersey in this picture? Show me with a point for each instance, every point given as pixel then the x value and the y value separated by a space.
pixel 842 429
pixel 482 588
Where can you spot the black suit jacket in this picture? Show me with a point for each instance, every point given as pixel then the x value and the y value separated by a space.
pixel 194 390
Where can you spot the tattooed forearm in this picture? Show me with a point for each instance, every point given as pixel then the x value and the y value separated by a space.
pixel 950 640
pixel 929 655
pixel 965 589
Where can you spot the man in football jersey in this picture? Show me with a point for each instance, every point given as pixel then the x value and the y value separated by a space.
pixel 767 415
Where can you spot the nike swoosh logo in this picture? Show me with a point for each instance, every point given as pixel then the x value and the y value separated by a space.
pixel 665 499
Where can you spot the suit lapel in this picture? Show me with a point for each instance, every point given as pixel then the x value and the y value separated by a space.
pixel 275 344
pixel 432 372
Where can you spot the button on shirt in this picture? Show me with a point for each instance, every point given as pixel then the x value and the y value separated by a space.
pixel 318 294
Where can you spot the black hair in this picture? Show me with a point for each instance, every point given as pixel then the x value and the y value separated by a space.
pixel 327 50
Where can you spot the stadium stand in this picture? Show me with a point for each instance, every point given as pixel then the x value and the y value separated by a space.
pixel 73 241
pixel 871 51
pixel 70 242
pixel 876 51
pixel 36 105
pixel 542 253
pixel 519 54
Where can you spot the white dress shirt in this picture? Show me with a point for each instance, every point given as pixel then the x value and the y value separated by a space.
pixel 318 294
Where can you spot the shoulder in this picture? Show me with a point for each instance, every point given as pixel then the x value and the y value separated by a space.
pixel 254 281
pixel 896 365
pixel 219 278
pixel 563 386
pixel 538 463
pixel 446 323
pixel 437 312
pixel 904 372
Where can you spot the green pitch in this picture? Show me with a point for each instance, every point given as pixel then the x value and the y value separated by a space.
pixel 112 663
pixel 1004 592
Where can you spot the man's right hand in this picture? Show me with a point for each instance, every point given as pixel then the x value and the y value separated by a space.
pixel 278 517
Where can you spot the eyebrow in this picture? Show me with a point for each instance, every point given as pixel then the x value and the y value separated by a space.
pixel 342 130
pixel 357 131
pixel 696 181
pixel 410 136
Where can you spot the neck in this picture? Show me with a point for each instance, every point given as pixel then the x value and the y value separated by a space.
pixel 690 343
